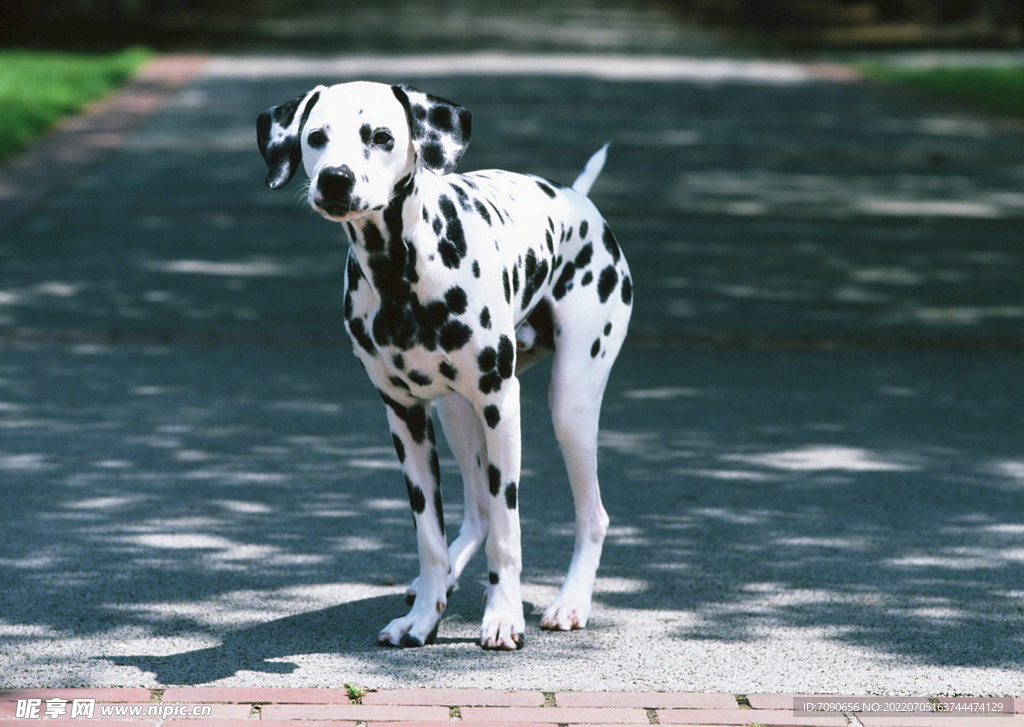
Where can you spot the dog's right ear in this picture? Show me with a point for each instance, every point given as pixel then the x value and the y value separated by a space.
pixel 278 131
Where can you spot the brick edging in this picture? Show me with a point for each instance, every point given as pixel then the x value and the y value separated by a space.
pixel 355 707
pixel 83 140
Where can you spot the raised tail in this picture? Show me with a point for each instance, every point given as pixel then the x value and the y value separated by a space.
pixel 593 168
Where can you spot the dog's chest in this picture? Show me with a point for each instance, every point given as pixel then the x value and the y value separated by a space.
pixel 423 302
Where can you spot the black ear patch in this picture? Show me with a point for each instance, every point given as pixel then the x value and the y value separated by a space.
pixel 277 134
pixel 440 129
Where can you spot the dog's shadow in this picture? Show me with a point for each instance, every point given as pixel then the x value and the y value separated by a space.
pixel 349 629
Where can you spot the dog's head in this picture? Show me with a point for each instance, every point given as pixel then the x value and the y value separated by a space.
pixel 360 143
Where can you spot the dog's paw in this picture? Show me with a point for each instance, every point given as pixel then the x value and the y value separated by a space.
pixel 500 633
pixel 504 627
pixel 565 616
pixel 411 630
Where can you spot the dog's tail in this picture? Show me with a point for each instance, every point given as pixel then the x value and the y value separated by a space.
pixel 589 174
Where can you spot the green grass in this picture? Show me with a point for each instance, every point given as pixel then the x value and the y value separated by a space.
pixel 38 88
pixel 997 89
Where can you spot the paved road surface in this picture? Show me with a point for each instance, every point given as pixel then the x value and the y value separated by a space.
pixel 811 446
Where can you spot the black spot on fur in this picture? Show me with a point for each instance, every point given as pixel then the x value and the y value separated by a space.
pixel 432 154
pixel 440 118
pixel 398 382
pixel 456 299
pixel 608 326
pixel 399 447
pixel 454 335
pixel 395 324
pixel 366 133
pixel 354 273
pixel 482 211
pixel 449 255
pixel 487 359
pixel 403 186
pixel 587 279
pixel 398 362
pixel 506 357
pixel 564 284
pixel 492 415
pixel 535 274
pixel 492 578
pixel 607 282
pixel 414 416
pixel 448 371
pixel 463 198
pixel 416 498
pixel 585 254
pixel 476 268
pixel 419 378
pixel 453 246
pixel 609 242
pixel 627 290
pixel 546 189
pixel 373 240
pixel 485 318
pixel 511 495
pixel 494 479
pixel 596 348
pixel 504 282
pixel 515 279
pixel 435 467
pixel 490 382
pixel 584 229
pixel 358 330
pixel 439 509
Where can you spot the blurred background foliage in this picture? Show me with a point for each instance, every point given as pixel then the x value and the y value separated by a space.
pixel 785 24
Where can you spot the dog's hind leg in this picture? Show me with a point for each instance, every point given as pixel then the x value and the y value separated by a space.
pixel 584 354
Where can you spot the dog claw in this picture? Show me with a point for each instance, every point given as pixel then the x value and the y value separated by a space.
pixel 492 644
pixel 559 621
pixel 409 641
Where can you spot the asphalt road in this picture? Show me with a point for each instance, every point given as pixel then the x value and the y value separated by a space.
pixel 811 445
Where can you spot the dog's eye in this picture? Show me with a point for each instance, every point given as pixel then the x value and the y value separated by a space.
pixel 383 138
pixel 317 138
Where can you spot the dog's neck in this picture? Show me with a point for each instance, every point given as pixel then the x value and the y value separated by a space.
pixel 383 244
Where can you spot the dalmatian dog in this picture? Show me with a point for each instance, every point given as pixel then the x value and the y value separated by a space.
pixel 455 283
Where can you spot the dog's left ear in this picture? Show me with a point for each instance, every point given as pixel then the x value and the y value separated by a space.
pixel 277 132
pixel 440 129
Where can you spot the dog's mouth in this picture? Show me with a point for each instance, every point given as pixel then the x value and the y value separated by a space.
pixel 334 210
pixel 337 211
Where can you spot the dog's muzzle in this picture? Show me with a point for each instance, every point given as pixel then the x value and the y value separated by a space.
pixel 334 191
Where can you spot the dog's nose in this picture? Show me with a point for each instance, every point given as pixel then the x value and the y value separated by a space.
pixel 335 183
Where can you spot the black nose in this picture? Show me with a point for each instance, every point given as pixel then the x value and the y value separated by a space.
pixel 335 183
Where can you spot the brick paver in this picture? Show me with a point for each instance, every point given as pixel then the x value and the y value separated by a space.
pixel 646 700
pixel 239 707
pixel 463 697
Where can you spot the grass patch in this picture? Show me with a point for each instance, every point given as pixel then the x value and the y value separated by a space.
pixel 998 89
pixel 37 88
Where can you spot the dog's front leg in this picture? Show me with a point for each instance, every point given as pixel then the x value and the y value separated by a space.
pixel 413 434
pixel 503 626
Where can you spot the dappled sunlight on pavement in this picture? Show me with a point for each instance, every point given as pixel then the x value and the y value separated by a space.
pixel 810 446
